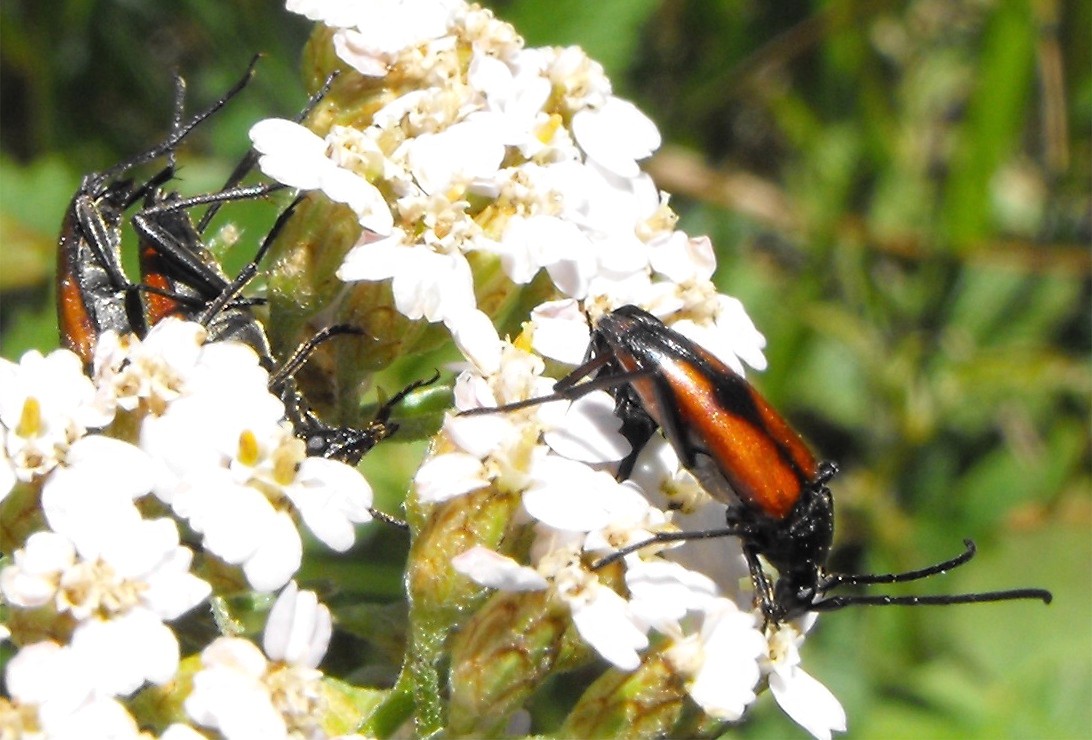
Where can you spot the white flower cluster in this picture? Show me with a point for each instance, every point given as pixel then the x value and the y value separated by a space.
pixel 557 456
pixel 97 475
pixel 520 153
pixel 486 146
pixel 480 145
pixel 244 694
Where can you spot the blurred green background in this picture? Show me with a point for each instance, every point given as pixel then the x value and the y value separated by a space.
pixel 898 191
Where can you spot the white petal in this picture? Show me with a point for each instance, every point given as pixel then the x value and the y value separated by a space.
pixel 531 243
pixel 682 259
pixel 349 47
pixel 748 341
pixel 278 134
pixel 481 434
pixel 367 202
pixel 605 624
pixel 472 391
pixel 278 557
pixel 332 528
pixel 616 135
pixel 433 286
pixel 85 508
pixel 808 703
pixel 46 551
pixel 172 590
pixel 236 654
pixel 291 153
pixel 589 430
pixel 32 581
pixel 47 672
pixel 178 731
pixel 461 153
pixel 106 715
pixel 569 495
pixel 449 475
pixel 494 570
pixel 724 685
pixel 128 651
pixel 26 590
pixel 331 496
pixel 109 470
pixel 140 549
pixel 298 628
pixel 663 591
pixel 228 696
pixel 217 511
pixel 561 331
pixel 333 13
pixel 518 262
pixel 477 339
pixel 374 259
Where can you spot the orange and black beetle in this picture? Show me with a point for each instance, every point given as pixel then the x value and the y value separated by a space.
pixel 745 455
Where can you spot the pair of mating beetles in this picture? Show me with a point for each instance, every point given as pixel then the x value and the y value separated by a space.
pixel 181 277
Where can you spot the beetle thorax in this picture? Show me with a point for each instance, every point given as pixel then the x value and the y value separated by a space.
pixel 798 547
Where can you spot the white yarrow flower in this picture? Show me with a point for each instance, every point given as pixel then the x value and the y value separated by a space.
pixel 721 661
pixel 46 404
pixel 474 165
pixel 224 455
pixel 600 615
pixel 54 694
pixel 293 155
pixel 119 580
pixel 807 702
pixel 244 694
pixel 98 481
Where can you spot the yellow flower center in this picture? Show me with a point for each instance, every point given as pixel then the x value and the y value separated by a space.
pixel 30 421
pixel 248 449
pixel 94 587
pixel 286 460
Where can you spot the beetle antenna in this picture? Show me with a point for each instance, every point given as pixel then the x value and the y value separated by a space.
pixel 179 130
pixel 859 579
pixel 246 164
pixel 565 393
pixel 840 602
pixel 662 537
pixel 848 579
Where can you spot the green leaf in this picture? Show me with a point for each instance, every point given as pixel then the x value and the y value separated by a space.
pixel 995 118
pixel 609 30
pixel 30 219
